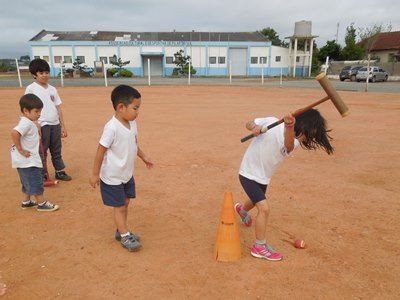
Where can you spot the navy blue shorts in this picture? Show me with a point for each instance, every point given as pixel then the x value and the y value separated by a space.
pixel 115 195
pixel 254 190
pixel 31 180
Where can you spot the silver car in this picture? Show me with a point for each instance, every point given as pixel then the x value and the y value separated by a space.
pixel 375 74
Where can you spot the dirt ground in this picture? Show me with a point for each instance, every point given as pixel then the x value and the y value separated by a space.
pixel 346 206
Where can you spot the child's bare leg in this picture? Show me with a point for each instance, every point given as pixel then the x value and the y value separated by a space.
pixel 120 215
pixel 248 205
pixel 39 199
pixel 127 200
pixel 261 219
pixel 26 197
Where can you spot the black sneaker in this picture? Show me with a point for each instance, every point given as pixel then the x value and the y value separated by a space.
pixel 29 204
pixel 47 206
pixel 61 175
pixel 118 236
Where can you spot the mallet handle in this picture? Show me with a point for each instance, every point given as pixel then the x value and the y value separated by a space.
pixel 295 114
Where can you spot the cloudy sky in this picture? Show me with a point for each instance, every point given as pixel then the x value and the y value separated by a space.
pixel 20 20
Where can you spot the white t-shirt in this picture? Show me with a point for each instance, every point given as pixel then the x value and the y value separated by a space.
pixel 265 152
pixel 50 99
pixel 29 142
pixel 119 159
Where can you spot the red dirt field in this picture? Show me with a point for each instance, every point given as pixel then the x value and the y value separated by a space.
pixel 346 206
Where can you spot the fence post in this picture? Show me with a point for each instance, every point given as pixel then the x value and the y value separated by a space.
pixel 262 73
pixel 230 72
pixel 280 80
pixel 190 67
pixel 62 73
pixel 19 74
pixel 105 74
pixel 148 71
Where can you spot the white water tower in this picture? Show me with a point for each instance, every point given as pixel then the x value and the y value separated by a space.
pixel 302 32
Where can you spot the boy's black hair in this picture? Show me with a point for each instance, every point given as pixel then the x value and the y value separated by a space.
pixel 313 126
pixel 29 102
pixel 124 94
pixel 38 65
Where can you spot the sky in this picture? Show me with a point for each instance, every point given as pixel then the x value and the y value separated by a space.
pixel 20 20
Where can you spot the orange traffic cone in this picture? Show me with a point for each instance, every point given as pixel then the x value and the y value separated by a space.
pixel 227 246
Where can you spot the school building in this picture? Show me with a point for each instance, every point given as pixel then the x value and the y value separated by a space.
pixel 212 53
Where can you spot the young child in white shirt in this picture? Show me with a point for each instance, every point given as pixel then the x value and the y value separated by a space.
pixel 51 119
pixel 114 161
pixel 25 154
pixel 261 159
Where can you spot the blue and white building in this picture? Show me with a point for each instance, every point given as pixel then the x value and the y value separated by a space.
pixel 212 53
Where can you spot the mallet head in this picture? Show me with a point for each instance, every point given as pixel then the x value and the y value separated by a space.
pixel 333 95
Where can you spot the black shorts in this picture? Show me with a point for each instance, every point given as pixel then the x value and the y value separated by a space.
pixel 254 190
pixel 115 195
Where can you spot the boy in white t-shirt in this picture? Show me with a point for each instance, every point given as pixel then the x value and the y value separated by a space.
pixel 25 154
pixel 263 156
pixel 51 119
pixel 115 159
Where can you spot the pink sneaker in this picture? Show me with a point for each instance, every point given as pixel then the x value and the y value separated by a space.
pixel 261 251
pixel 246 218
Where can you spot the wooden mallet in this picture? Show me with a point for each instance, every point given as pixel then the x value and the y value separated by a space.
pixel 331 94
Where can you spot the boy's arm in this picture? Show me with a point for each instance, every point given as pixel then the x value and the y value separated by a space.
pixel 16 138
pixel 289 132
pixel 64 133
pixel 98 160
pixel 149 163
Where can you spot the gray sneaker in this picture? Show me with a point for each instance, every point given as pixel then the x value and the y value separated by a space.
pixel 47 206
pixel 29 204
pixel 118 236
pixel 130 243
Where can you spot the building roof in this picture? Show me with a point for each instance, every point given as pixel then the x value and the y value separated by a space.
pixel 194 36
pixel 387 41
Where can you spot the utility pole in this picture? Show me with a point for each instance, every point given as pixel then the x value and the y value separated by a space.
pixel 337 32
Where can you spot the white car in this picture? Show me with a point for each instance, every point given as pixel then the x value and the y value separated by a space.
pixel 374 74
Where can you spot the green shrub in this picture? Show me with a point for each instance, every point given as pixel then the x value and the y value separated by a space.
pixel 112 71
pixel 125 73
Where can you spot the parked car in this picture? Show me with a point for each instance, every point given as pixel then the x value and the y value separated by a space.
pixel 374 74
pixel 349 72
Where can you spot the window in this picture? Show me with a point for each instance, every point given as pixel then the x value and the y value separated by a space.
pixel 297 58
pixel 46 58
pixel 81 59
pixel 263 59
pixel 254 60
pixel 104 59
pixel 57 59
pixel 113 59
pixel 68 59
pixel 277 58
pixel 169 60
pixel 221 60
pixel 213 60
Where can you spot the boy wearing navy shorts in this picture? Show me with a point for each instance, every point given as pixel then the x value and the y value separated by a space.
pixel 115 159
pixel 25 154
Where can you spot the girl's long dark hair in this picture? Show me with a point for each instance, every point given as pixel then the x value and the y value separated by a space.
pixel 312 125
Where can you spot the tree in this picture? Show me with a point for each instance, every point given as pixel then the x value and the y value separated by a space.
pixel 273 36
pixel 331 49
pixel 182 63
pixel 118 63
pixel 369 35
pixel 352 51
